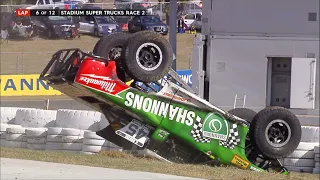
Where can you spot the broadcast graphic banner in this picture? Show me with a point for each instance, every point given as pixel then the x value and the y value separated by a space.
pixel 25 85
pixel 80 12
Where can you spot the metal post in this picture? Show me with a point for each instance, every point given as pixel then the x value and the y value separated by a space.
pixel 22 63
pixel 17 65
pixel 173 30
pixel 46 104
pixel 161 10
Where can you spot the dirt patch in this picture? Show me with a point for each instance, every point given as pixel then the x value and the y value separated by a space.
pixel 30 57
pixel 118 161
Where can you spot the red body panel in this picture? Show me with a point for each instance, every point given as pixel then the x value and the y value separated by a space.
pixel 100 76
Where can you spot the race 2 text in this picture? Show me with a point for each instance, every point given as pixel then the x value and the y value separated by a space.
pixel 84 12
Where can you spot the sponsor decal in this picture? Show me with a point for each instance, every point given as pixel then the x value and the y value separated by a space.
pixel 25 85
pixel 215 127
pixel 255 169
pixel 176 97
pixel 101 83
pixel 105 83
pixel 240 162
pixel 163 134
pixel 160 108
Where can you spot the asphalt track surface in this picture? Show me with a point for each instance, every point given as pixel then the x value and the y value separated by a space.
pixel 26 169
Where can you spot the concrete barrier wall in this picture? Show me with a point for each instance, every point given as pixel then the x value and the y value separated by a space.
pixel 74 131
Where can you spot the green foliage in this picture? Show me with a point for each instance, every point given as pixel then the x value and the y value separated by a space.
pixel 181 4
pixel 166 8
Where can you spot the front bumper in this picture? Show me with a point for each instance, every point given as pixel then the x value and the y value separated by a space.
pixel 65 31
pixel 160 29
pixel 102 32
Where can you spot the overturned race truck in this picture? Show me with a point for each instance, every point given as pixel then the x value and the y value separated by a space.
pixel 171 121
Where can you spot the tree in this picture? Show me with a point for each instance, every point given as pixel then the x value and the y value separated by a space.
pixel 166 7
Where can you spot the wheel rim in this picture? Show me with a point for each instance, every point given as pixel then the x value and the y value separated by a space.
pixel 149 56
pixel 278 133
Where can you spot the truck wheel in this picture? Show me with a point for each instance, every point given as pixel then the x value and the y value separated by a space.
pixel 110 47
pixel 148 56
pixel 275 132
pixel 244 113
pixel 97 46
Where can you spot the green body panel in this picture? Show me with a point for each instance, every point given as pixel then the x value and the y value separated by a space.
pixel 180 127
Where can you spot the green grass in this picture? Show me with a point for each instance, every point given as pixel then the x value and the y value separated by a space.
pixel 118 160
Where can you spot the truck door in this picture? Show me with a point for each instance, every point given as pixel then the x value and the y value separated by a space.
pixel 82 24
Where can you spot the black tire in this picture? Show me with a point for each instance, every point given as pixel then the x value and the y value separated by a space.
pixel 244 113
pixel 97 46
pixel 131 64
pixel 106 44
pixel 260 125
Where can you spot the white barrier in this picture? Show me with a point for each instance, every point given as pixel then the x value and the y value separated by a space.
pixel 302 159
pixel 8 114
pixel 310 134
pixel 3 127
pixel 35 117
pixel 36 138
pixel 54 139
pixel 307 146
pixel 64 139
pixel 74 131
pixel 16 137
pixel 54 131
pixel 316 169
pixel 92 143
pixel 78 119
